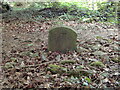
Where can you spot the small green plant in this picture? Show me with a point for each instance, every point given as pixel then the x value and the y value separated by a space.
pixel 116 59
pixel 9 65
pixel 73 80
pixel 13 59
pixel 56 69
pixel 97 64
pixel 67 62
pixel 79 72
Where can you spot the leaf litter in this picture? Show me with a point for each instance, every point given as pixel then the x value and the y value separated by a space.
pixel 26 59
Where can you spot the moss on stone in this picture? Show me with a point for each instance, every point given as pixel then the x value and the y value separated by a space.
pixel 54 69
pixel 97 64
pixel 62 39
pixel 67 62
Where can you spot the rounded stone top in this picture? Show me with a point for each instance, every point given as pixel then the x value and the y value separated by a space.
pixel 64 28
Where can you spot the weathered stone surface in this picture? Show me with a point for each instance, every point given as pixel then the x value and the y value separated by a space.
pixel 62 39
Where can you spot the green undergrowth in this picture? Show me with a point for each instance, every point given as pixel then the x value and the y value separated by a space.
pixel 78 71
pixel 97 64
pixel 67 62
pixel 56 69
pixel 101 12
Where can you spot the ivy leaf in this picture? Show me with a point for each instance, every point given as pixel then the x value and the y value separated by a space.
pixel 88 80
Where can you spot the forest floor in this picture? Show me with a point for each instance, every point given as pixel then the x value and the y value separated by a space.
pixel 26 62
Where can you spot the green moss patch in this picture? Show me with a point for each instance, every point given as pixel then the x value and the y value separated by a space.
pixel 9 65
pixel 116 59
pixel 79 72
pixel 97 64
pixel 67 62
pixel 54 69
